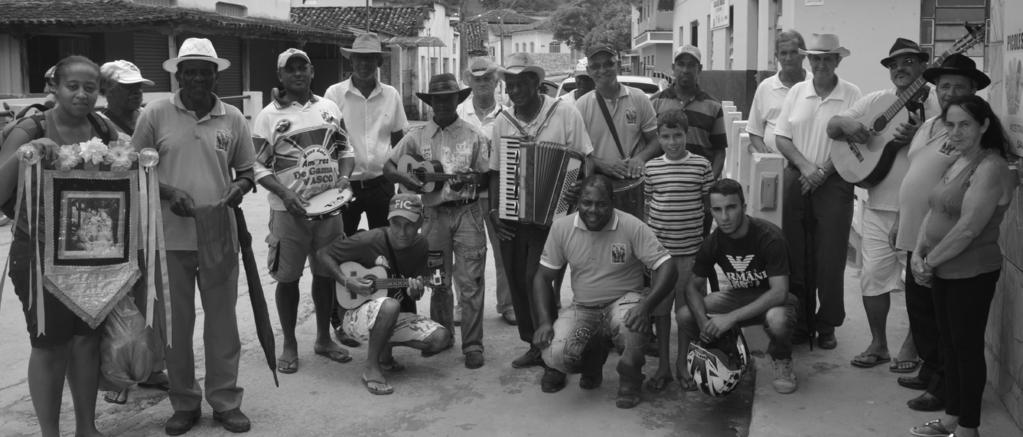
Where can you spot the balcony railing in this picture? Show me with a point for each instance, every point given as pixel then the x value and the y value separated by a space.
pixel 652 37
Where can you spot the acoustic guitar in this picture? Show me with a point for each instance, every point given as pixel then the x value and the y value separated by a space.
pixel 380 282
pixel 866 165
pixel 429 172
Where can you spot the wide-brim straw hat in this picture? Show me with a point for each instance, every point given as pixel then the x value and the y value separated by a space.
pixel 823 44
pixel 367 43
pixel 196 49
pixel 519 63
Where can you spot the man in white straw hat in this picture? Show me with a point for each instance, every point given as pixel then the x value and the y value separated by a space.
pixel 200 140
pixel 544 119
pixel 122 86
pixel 818 205
pixel 301 151
pixel 481 109
pixel 454 215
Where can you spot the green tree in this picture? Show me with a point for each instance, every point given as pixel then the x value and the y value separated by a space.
pixel 589 22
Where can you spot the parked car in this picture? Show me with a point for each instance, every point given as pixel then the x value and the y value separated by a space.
pixel 649 85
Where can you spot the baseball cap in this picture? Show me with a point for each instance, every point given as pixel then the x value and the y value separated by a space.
pixel 690 50
pixel 123 72
pixel 406 205
pixel 602 49
pixel 283 58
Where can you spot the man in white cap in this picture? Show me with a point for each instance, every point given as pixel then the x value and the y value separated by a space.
pixel 706 136
pixel 454 216
pixel 481 110
pixel 200 140
pixel 583 82
pixel 375 119
pixel 122 86
pixel 301 151
pixel 771 92
pixel 544 119
pixel 818 204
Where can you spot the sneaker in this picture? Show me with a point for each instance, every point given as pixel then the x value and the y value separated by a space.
pixel 233 420
pixel 529 359
pixel 553 381
pixel 784 376
pixel 474 360
pixel 181 422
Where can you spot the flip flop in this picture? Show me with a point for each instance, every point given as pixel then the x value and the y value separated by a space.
pixel 287 366
pixel 867 360
pixel 657 383
pixel 933 428
pixel 392 366
pixel 904 366
pixel 377 387
pixel 335 355
pixel 116 397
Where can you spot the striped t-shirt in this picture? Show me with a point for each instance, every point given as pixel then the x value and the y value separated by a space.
pixel 705 116
pixel 674 196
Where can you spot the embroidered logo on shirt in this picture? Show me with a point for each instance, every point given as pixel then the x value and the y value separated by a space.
pixel 328 117
pixel 224 139
pixel 630 116
pixel 618 253
pixel 282 126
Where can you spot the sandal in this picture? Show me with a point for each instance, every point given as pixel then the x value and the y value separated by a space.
pixel 116 397
pixel 867 360
pixel 392 366
pixel 657 383
pixel 377 387
pixel 933 428
pixel 904 366
pixel 287 366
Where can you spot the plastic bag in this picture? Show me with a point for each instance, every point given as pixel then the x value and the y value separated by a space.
pixel 125 357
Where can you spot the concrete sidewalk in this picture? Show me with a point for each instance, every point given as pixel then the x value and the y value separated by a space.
pixel 836 399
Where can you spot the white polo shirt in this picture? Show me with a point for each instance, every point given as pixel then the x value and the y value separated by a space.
pixel 632 114
pixel 369 122
pixel 607 263
pixel 766 107
pixel 565 127
pixel 804 117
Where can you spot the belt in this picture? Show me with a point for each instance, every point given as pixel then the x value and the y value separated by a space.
pixel 369 183
pixel 457 203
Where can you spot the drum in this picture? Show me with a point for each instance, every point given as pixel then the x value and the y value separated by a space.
pixel 629 196
pixel 327 203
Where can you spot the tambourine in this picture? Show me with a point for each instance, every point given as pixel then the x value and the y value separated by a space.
pixel 327 203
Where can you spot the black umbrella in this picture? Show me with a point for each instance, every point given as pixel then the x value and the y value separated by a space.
pixel 264 331
pixel 810 263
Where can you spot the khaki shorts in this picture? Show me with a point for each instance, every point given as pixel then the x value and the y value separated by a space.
pixel 409 326
pixel 883 265
pixel 293 240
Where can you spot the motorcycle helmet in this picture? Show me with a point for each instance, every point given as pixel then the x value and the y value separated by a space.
pixel 718 366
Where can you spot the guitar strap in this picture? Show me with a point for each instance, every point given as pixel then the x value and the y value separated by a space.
pixel 522 131
pixel 393 259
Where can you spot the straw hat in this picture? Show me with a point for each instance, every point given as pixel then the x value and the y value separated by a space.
pixel 824 43
pixel 196 49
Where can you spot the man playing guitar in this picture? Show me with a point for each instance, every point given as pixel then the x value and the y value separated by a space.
pixel 882 263
pixel 389 321
pixel 454 217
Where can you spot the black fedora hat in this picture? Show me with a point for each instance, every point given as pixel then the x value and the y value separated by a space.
pixel 961 65
pixel 904 46
pixel 441 85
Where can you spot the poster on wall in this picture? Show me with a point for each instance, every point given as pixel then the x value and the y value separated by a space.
pixel 720 14
pixel 1013 73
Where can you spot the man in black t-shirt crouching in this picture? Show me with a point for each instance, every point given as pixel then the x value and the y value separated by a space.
pixel 754 258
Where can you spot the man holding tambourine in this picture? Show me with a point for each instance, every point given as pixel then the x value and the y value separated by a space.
pixel 303 160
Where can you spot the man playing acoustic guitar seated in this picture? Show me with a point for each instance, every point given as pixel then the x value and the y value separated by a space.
pixel 389 319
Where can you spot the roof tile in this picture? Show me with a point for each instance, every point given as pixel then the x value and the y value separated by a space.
pixel 392 20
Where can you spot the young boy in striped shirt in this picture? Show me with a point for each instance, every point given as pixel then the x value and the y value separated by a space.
pixel 677 185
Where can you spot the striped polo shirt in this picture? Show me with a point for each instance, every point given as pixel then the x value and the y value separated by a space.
pixel 674 196
pixel 706 119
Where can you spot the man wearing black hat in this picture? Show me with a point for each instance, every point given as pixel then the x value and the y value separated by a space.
pixel 882 263
pixel 454 217
pixel 929 157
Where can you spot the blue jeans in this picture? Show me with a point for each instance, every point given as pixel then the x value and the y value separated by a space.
pixel 457 236
pixel 578 324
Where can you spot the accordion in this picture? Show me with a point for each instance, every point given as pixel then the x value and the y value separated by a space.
pixel 534 179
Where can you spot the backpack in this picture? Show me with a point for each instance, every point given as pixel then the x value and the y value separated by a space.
pixel 37 130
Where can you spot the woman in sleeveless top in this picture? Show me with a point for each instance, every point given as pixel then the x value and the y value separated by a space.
pixel 69 346
pixel 958 253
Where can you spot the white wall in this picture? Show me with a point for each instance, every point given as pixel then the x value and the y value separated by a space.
pixel 10 70
pixel 541 40
pixel 275 9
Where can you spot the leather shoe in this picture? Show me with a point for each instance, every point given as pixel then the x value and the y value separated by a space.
pixel 233 420
pixel 926 402
pixel 509 317
pixel 913 382
pixel 827 340
pixel 474 360
pixel 529 359
pixel 181 421
pixel 553 381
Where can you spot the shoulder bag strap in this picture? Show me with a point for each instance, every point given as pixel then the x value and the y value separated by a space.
pixel 610 123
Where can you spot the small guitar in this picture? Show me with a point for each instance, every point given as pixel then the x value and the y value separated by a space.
pixel 866 165
pixel 429 172
pixel 381 283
